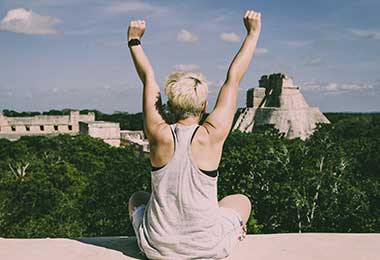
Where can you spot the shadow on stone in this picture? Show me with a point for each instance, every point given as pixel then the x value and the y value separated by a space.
pixel 126 245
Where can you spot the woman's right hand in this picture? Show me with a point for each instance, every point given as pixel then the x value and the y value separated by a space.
pixel 252 22
pixel 136 29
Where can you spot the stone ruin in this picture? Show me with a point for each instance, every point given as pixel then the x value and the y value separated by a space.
pixel 135 138
pixel 278 102
pixel 109 132
pixel 13 128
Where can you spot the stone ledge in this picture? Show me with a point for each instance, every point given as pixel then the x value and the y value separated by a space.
pixel 305 246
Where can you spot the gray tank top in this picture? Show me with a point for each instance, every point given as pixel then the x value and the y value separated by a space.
pixel 182 218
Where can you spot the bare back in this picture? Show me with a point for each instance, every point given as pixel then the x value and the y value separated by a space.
pixel 205 152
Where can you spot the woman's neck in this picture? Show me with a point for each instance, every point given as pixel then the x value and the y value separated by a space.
pixel 189 121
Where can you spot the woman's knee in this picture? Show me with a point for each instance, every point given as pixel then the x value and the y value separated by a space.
pixel 245 201
pixel 240 198
pixel 238 202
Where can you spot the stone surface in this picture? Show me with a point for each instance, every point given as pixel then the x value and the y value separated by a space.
pixel 279 103
pixel 306 246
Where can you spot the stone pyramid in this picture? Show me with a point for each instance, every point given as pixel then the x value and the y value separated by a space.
pixel 279 103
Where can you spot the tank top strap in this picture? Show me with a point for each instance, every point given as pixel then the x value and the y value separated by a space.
pixel 182 137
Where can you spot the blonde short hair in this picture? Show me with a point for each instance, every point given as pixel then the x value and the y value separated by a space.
pixel 186 92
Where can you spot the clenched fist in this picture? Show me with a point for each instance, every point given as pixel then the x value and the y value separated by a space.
pixel 252 21
pixel 136 29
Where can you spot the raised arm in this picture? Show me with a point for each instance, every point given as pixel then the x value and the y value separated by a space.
pixel 153 120
pixel 219 122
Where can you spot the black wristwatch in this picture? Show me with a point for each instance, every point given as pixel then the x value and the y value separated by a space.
pixel 133 42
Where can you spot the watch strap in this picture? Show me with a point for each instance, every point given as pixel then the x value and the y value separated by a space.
pixel 133 42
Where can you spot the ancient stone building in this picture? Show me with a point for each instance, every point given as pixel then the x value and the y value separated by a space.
pixel 136 139
pixel 13 128
pixel 109 132
pixel 278 102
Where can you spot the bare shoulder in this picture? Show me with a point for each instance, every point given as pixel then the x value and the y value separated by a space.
pixel 161 134
pixel 203 134
pixel 213 134
pixel 161 145
pixel 206 151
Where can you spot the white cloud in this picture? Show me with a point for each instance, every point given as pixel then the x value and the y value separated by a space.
pixel 297 44
pixel 354 87
pixel 134 6
pixel 187 67
pixel 370 34
pixel 186 37
pixel 314 62
pixel 261 51
pixel 218 18
pixel 27 22
pixel 214 86
pixel 223 67
pixel 335 88
pixel 230 37
pixel 377 84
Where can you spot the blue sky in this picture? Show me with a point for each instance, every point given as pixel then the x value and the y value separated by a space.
pixel 72 53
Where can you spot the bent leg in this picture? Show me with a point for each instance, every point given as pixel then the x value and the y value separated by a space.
pixel 138 198
pixel 238 202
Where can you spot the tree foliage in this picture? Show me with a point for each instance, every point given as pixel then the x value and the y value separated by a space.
pixel 70 186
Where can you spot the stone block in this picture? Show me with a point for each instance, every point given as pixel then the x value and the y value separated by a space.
pixel 305 246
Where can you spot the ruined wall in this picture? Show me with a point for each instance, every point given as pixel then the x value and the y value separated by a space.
pixel 107 131
pixel 132 134
pixel 15 127
pixel 255 97
pixel 136 139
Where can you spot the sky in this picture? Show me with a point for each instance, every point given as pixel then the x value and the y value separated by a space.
pixel 73 53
